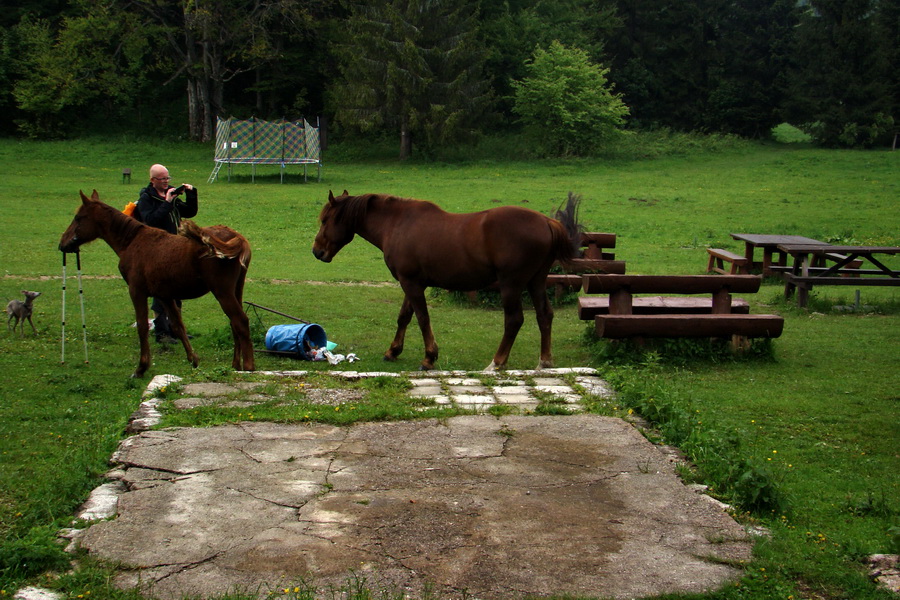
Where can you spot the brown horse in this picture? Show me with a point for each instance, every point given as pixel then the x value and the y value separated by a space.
pixel 171 267
pixel 424 246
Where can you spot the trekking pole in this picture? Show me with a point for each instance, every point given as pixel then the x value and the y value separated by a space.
pixel 63 358
pixel 81 297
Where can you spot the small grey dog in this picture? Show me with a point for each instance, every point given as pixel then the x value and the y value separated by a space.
pixel 18 310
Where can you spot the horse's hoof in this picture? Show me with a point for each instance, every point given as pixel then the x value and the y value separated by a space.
pixel 492 368
pixel 426 367
pixel 389 358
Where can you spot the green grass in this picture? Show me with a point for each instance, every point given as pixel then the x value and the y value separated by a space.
pixel 813 419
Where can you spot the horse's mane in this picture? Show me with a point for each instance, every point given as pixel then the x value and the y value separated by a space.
pixel 351 210
pixel 121 225
pixel 220 241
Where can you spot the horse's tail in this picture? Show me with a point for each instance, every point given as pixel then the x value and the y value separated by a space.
pixel 567 230
pixel 220 241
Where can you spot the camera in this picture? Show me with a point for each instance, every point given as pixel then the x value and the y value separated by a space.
pixel 178 191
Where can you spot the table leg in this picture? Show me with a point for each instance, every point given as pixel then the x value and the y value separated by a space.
pixel 767 262
pixel 748 254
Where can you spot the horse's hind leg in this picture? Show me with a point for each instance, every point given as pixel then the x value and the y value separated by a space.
pixel 242 357
pixel 403 319
pixel 512 323
pixel 179 330
pixel 537 289
pixel 420 307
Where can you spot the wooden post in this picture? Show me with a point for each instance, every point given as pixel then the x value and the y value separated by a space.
pixel 620 302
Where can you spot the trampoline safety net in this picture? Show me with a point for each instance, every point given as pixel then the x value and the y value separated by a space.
pixel 258 142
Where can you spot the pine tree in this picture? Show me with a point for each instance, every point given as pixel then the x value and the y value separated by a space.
pixel 412 66
pixel 842 82
pixel 749 85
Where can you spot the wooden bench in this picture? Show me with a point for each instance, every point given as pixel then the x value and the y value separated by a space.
pixel 591 306
pixel 689 326
pixel 594 258
pixel 718 257
pixel 595 244
pixel 628 317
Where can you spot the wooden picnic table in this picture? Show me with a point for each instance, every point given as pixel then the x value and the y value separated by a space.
pixel 769 244
pixel 809 269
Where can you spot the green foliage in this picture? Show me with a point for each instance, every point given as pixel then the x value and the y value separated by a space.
pixel 512 30
pixel 95 59
pixel 722 461
pixel 843 74
pixel 411 66
pixel 37 551
pixel 568 102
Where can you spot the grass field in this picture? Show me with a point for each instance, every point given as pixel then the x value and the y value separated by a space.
pixel 804 438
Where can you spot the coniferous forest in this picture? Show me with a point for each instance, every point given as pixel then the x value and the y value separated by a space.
pixel 434 72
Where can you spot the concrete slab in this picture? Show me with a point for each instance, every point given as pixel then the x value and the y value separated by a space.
pixel 472 506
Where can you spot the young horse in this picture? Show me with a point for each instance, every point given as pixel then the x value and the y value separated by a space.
pixel 171 267
pixel 425 246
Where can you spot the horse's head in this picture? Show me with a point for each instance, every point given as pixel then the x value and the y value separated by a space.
pixel 83 228
pixel 335 230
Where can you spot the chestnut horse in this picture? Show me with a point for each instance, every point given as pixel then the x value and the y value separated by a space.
pixel 424 246
pixel 171 267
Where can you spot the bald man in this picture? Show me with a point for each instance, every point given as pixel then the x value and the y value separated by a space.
pixel 161 205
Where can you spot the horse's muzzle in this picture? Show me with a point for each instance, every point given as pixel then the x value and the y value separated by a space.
pixel 69 247
pixel 321 255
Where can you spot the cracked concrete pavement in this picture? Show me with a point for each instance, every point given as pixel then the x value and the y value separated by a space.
pixel 478 506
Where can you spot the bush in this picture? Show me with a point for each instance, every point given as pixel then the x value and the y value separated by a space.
pixel 567 102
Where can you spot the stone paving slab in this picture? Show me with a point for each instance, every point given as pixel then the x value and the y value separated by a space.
pixel 479 506
pixel 475 506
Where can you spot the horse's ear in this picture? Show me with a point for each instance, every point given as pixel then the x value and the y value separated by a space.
pixel 346 193
pixel 84 199
pixel 330 196
pixel 95 196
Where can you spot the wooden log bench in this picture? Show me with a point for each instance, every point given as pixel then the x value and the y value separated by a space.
pixel 630 317
pixel 594 257
pixel 689 326
pixel 591 306
pixel 718 257
pixel 596 245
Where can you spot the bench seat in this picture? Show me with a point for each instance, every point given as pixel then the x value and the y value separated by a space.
pixel 718 257
pixel 594 243
pixel 591 306
pixel 594 265
pixel 853 271
pixel 671 284
pixel 858 281
pixel 690 326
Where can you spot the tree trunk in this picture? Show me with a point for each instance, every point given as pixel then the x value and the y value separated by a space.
pixel 193 110
pixel 405 139
pixel 200 111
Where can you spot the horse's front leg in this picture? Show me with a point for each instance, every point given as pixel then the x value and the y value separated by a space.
pixel 512 323
pixel 180 332
pixel 143 329
pixel 403 319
